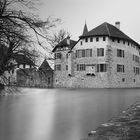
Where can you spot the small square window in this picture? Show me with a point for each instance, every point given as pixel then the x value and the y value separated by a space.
pixel 104 38
pixel 128 43
pixel 123 79
pixel 118 41
pixel 97 39
pixel 91 39
pixel 86 39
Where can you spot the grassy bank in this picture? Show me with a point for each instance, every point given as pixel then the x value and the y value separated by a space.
pixel 124 127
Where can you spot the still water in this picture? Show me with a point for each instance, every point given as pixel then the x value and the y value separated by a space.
pixel 60 114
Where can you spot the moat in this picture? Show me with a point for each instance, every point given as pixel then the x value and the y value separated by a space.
pixel 60 114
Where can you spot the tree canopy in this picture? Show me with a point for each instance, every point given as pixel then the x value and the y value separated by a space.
pixel 19 29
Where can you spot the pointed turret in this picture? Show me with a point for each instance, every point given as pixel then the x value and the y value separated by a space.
pixel 85 31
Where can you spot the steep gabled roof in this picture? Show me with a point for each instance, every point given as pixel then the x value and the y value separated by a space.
pixel 107 29
pixel 45 66
pixel 22 59
pixel 64 43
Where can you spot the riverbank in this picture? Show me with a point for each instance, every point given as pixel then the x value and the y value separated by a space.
pixel 124 127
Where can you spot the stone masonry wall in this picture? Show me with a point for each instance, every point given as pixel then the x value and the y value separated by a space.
pixel 109 79
pixel 131 79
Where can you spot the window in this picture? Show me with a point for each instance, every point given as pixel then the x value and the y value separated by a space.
pixel 83 53
pixel 67 55
pixel 104 38
pixel 118 41
pixel 120 68
pixel 79 53
pixel 81 67
pixel 123 79
pixel 88 53
pixel 100 51
pixel 101 67
pixel 113 40
pixel 81 43
pixel 91 39
pixel 57 67
pixel 66 67
pixel 120 53
pixel 76 53
pixel 128 43
pixel 97 39
pixel 136 70
pixel 57 56
pixel 136 58
pixel 123 42
pixel 86 39
pixel 24 66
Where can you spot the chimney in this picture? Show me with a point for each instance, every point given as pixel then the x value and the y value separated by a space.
pixel 68 40
pixel 117 24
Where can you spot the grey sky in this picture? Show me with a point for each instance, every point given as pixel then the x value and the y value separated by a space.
pixel 74 13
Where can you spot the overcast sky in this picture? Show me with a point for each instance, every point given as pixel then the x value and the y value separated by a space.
pixel 74 13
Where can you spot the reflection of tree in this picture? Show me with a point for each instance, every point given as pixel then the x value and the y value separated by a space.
pixel 58 37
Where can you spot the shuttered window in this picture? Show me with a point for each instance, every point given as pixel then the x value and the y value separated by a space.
pixel 100 51
pixel 101 67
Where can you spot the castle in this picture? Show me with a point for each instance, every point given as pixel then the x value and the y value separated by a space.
pixel 103 57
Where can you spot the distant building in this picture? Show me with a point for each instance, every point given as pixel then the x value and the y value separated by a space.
pixel 22 62
pixel 103 57
pixel 45 74
pixel 32 77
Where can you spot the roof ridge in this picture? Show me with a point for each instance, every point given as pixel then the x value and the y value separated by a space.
pixel 106 24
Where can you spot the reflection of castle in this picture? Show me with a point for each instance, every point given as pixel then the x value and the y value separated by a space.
pixel 102 57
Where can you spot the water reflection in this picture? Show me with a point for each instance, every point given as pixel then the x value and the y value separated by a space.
pixel 59 114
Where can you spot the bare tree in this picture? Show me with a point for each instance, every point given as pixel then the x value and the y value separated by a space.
pixel 57 37
pixel 19 27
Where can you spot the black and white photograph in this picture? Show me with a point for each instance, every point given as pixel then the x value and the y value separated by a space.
pixel 69 70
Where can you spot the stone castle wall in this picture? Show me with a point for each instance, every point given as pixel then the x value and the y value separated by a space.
pixel 30 77
pixel 109 79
